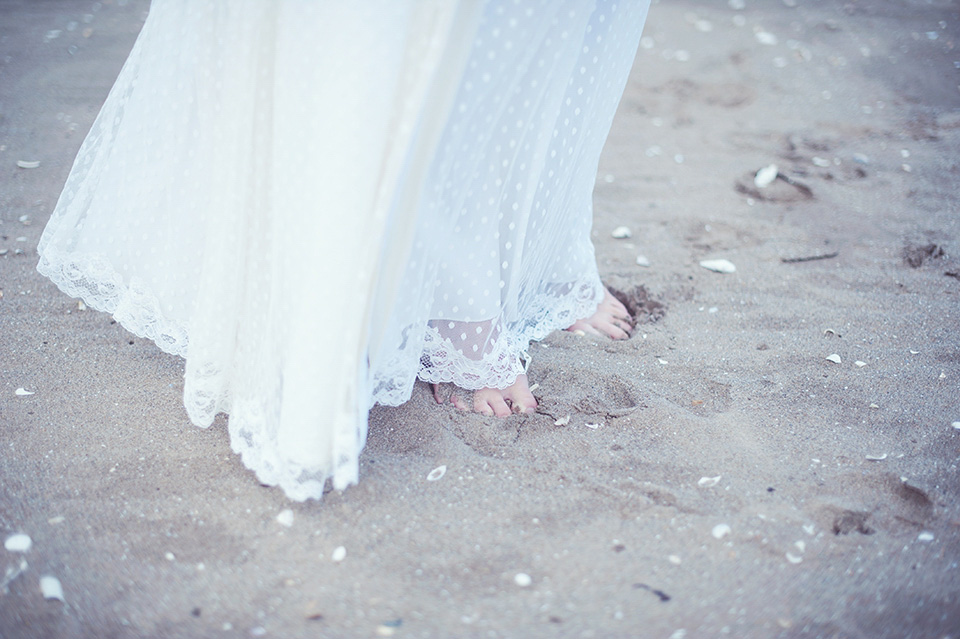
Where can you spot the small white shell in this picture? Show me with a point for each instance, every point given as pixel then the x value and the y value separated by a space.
pixel 765 37
pixel 876 457
pixel 18 543
pixel 22 392
pixel 339 553
pixel 720 531
pixel 28 164
pixel 719 266
pixel 821 162
pixel 765 176
pixel 593 426
pixel 801 545
pixel 872 405
pixel 926 535
pixel 437 473
pixel 50 588
pixel 674 559
pixel 793 559
pixel 621 233
pixel 834 358
pixel 522 579
pixel 170 556
pixel 956 425
pixel 859 364
pixel 285 518
pixel 707 482
pixel 563 421
pixel 642 261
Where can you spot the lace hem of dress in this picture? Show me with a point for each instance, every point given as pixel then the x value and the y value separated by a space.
pixel 92 278
pixel 441 361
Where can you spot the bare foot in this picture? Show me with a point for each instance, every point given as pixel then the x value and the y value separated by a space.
pixel 515 398
pixel 611 319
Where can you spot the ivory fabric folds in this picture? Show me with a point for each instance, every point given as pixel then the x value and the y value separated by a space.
pixel 315 203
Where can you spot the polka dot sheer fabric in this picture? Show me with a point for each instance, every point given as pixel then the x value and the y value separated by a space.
pixel 315 204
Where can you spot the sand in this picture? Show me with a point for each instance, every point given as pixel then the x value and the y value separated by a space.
pixel 830 507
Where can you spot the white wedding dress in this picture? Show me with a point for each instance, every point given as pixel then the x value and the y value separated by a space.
pixel 315 204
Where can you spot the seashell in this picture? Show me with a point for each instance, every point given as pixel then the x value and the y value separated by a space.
pixel 522 579
pixel 621 233
pixel 22 392
pixel 765 176
pixel 674 559
pixel 642 261
pixel 765 37
pixel 4 251
pixel 872 405
pixel 169 556
pixel 339 553
pixel 385 631
pixel 563 421
pixel 801 545
pixel 18 543
pixel 593 426
pixel 913 352
pixel 719 266
pixel 437 473
pixel 720 531
pixel 834 358
pixel 59 519
pixel 956 425
pixel 859 364
pixel 876 457
pixel 50 588
pixel 285 518
pixel 707 482
pixel 821 162
pixel 926 535
pixel 28 164
pixel 81 306
pixel 579 333
pixel 793 559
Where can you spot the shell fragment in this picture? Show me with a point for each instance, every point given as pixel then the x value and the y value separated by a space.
pixel 707 482
pixel 18 543
pixel 834 358
pixel 22 392
pixel 285 518
pixel 437 473
pixel 621 233
pixel 28 164
pixel 719 266
pixel 766 176
pixel 720 531
pixel 50 588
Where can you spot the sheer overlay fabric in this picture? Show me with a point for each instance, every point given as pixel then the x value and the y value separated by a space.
pixel 317 203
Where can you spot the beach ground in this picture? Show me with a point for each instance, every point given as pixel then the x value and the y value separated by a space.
pixel 773 453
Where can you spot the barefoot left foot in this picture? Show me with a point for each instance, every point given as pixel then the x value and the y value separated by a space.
pixel 611 319
pixel 515 398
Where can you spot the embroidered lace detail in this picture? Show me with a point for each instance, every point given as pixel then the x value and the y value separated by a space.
pixel 93 279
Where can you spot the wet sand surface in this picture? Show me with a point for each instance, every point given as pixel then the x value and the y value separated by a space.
pixel 718 475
